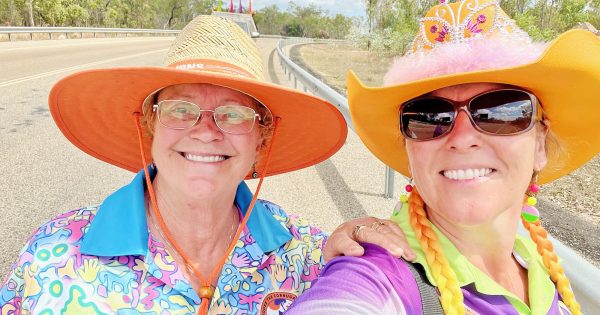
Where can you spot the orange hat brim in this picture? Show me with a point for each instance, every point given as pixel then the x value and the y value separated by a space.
pixel 95 110
pixel 566 80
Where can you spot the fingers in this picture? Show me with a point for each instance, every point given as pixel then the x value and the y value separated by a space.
pixel 341 243
pixel 388 235
pixel 409 254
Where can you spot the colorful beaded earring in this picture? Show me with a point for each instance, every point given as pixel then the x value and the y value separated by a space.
pixel 408 188
pixel 404 197
pixel 529 212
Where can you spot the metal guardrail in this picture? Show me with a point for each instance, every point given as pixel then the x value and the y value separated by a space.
pixel 310 83
pixel 10 30
pixel 584 277
pixel 320 88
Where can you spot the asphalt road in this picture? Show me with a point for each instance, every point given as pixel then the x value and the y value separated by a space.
pixel 45 175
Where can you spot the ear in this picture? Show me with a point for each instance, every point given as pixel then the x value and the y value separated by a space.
pixel 541 157
pixel 260 144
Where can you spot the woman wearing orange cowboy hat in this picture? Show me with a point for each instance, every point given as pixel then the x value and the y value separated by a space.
pixel 500 100
pixel 186 236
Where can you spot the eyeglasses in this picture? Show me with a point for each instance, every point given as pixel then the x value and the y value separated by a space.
pixel 180 115
pixel 495 112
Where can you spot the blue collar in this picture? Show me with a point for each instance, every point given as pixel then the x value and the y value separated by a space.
pixel 119 227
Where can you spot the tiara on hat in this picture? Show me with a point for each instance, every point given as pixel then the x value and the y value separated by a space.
pixel 463 21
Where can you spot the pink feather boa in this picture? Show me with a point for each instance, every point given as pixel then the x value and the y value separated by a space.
pixel 481 54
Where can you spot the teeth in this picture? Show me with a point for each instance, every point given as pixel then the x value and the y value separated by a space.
pixel 467 174
pixel 204 158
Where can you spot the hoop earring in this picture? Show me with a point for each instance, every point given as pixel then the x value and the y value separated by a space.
pixel 530 213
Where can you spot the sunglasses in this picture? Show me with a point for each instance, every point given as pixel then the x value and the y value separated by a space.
pixel 496 112
pixel 232 118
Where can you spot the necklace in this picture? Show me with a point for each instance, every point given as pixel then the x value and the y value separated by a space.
pixel 204 291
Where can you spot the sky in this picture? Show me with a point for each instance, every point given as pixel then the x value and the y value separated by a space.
pixel 333 7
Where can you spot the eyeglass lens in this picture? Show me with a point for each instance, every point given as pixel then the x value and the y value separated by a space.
pixel 235 119
pixel 501 112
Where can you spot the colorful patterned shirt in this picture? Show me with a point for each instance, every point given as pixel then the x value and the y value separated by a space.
pixel 379 283
pixel 103 260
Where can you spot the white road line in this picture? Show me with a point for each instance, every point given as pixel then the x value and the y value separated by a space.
pixel 85 42
pixel 91 64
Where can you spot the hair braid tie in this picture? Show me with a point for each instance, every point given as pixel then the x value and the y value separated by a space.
pixel 544 247
pixel 451 296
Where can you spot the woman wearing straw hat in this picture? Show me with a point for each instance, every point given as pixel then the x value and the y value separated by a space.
pixel 502 102
pixel 186 235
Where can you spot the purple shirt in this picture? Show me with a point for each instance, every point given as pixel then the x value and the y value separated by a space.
pixel 379 283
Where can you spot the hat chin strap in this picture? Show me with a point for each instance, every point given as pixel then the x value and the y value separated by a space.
pixel 206 290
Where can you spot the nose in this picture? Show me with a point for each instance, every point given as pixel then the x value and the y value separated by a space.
pixel 464 136
pixel 206 129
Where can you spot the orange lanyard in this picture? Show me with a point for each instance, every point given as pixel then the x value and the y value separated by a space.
pixel 206 290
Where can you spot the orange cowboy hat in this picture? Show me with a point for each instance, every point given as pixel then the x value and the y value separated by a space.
pixel 475 41
pixel 95 109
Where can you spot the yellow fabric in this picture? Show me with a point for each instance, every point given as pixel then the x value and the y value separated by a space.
pixel 565 80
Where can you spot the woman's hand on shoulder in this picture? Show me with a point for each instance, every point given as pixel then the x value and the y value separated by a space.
pixel 345 239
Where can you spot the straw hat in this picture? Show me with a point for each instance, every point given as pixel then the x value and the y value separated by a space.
pixel 475 41
pixel 95 109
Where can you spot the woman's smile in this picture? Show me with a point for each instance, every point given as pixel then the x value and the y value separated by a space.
pixel 464 174
pixel 205 158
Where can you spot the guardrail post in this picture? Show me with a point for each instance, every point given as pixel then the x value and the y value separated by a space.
pixel 389 182
pixel 295 82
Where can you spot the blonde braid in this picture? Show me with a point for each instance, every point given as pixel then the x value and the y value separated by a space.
pixel 544 247
pixel 451 296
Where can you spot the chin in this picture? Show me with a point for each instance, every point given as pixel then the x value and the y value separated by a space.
pixel 197 185
pixel 469 211
pixel 209 185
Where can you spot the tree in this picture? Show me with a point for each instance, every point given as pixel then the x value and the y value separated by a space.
pixel 12 12
pixel 339 26
pixel 202 7
pixel 76 15
pixel 293 29
pixel 515 7
pixel 310 19
pixel 30 13
pixel 270 20
pixel 571 13
pixel 595 13
pixel 304 21
pixel 51 12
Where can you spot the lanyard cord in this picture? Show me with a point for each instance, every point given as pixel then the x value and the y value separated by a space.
pixel 206 290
